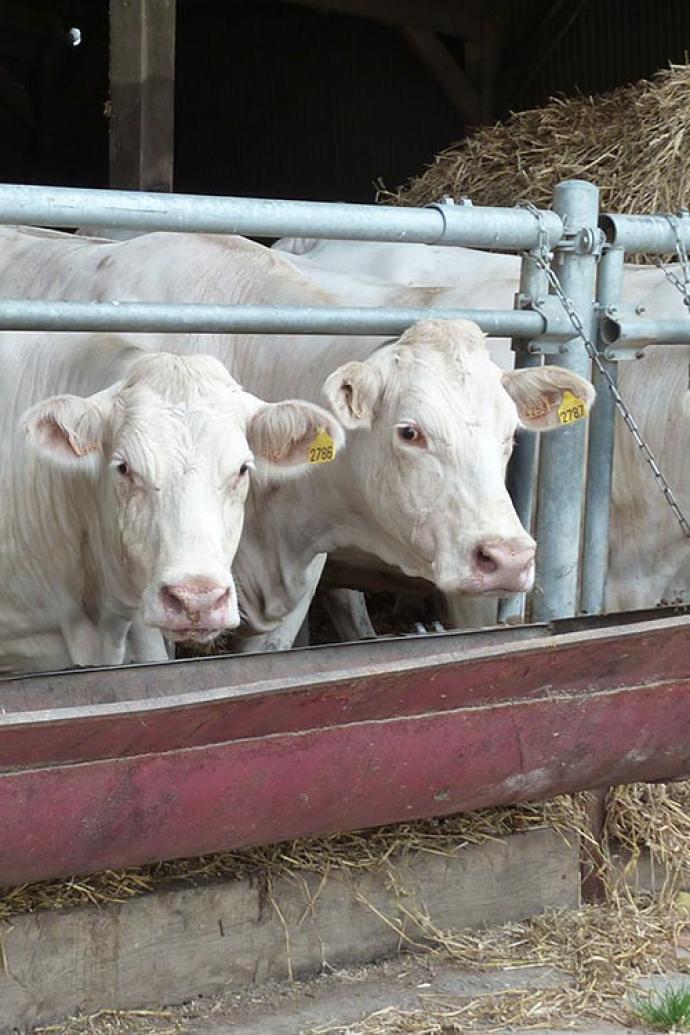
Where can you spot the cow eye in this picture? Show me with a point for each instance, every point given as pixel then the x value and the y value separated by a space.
pixel 409 433
pixel 122 468
pixel 244 468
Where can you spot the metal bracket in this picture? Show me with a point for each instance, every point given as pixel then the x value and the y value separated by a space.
pixel 586 240
pixel 620 311
pixel 557 328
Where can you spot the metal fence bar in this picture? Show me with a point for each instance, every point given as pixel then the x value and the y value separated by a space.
pixel 522 466
pixel 481 227
pixel 561 455
pixel 595 549
pixel 20 315
pixel 651 234
pixel 638 333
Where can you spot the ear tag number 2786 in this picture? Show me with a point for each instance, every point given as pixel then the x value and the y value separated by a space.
pixel 571 409
pixel 322 448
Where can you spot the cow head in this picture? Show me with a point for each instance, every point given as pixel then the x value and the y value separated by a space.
pixel 168 452
pixel 437 420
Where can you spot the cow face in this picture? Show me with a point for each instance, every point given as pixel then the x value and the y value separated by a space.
pixel 168 453
pixel 437 420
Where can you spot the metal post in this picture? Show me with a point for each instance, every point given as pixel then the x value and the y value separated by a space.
pixel 600 452
pixel 561 454
pixel 521 468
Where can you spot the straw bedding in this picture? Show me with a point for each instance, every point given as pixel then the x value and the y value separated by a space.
pixel 633 142
pixel 600 949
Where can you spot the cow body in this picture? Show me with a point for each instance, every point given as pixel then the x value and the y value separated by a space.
pixel 649 557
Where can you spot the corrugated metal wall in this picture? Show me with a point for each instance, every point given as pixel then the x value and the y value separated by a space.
pixel 610 43
pixel 274 99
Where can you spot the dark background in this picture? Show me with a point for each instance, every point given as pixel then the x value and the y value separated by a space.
pixel 276 100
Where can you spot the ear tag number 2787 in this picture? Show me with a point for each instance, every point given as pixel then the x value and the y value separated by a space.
pixel 571 409
pixel 322 448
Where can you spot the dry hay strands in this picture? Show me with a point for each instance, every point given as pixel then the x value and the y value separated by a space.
pixel 128 1022
pixel 655 817
pixel 346 853
pixel 599 950
pixel 633 142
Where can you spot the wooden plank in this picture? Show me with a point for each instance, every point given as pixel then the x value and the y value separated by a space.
pixel 445 16
pixel 169 946
pixel 142 93
pixel 440 63
pixel 334 739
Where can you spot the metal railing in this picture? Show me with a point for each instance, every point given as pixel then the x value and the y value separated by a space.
pixel 538 326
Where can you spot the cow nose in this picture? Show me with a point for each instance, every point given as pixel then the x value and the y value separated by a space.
pixel 504 564
pixel 193 597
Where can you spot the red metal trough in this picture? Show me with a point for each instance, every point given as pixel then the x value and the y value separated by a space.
pixel 113 767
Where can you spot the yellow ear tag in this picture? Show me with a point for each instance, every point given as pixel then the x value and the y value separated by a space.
pixel 322 448
pixel 571 409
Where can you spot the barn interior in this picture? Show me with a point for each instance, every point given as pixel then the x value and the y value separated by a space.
pixel 313 99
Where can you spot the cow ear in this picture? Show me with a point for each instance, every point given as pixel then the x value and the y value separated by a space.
pixel 293 434
pixel 65 429
pixel 353 392
pixel 548 397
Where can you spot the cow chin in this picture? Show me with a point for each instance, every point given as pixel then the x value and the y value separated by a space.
pixel 194 635
pixel 474 584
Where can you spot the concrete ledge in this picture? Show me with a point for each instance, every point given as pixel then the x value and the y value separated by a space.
pixel 165 947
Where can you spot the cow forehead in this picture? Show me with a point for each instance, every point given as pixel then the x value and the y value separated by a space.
pixel 211 427
pixel 458 389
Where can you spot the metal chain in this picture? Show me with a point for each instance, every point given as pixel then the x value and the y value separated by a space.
pixel 543 262
pixel 682 286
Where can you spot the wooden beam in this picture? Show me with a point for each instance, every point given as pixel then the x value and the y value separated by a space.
pixel 441 64
pixel 448 17
pixel 592 852
pixel 142 100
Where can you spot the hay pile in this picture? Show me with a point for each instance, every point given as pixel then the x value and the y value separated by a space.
pixel 633 142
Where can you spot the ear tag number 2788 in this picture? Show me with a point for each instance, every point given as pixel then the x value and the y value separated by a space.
pixel 322 448
pixel 571 409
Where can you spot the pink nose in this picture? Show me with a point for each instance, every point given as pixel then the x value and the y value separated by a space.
pixel 505 564
pixel 195 602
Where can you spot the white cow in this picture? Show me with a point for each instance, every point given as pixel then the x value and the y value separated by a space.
pixel 421 484
pixel 649 555
pixel 126 500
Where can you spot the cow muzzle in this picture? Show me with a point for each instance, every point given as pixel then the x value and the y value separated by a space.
pixel 504 565
pixel 195 608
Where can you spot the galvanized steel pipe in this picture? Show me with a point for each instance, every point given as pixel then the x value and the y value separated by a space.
pixel 509 228
pixel 561 453
pixel 184 318
pixel 651 234
pixel 595 550
pixel 638 333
